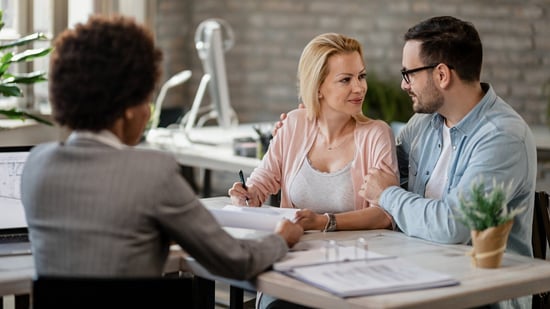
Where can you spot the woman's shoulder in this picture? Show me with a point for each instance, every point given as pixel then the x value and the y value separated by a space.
pixel 162 157
pixel 297 118
pixel 297 114
pixel 373 124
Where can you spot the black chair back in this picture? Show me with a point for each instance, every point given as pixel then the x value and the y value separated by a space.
pixel 541 225
pixel 540 240
pixel 67 292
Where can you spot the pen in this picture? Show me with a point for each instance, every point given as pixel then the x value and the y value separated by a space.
pixel 241 176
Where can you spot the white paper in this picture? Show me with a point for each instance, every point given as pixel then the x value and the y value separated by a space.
pixel 368 277
pixel 263 218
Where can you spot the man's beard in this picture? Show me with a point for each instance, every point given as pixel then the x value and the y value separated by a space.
pixel 430 101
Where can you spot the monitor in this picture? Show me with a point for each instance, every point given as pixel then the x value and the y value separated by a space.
pixel 12 160
pixel 212 38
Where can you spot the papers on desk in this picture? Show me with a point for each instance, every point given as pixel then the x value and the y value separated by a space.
pixel 263 218
pixel 369 277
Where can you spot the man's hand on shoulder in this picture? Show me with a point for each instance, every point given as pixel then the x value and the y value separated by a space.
pixel 279 123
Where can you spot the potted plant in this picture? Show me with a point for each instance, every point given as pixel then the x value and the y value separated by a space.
pixel 10 83
pixel 487 215
pixel 385 100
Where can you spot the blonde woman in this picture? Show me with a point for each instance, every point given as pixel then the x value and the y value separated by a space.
pixel 319 157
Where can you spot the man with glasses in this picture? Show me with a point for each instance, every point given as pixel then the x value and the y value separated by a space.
pixel 461 132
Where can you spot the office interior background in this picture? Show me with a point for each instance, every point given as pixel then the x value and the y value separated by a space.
pixel 270 35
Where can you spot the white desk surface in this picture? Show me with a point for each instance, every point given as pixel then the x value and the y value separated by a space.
pixel 542 137
pixel 214 157
pixel 16 272
pixel 221 158
pixel 518 275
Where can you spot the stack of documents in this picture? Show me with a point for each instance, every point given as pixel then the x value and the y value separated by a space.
pixel 369 276
pixel 263 218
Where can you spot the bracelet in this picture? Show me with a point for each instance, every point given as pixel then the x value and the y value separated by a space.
pixel 331 222
pixel 328 222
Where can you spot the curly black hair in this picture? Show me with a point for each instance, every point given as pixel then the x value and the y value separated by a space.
pixel 99 69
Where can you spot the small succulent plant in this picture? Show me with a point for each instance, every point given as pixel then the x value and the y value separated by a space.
pixel 482 209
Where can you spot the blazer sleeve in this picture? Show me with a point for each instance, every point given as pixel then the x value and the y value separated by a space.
pixel 193 227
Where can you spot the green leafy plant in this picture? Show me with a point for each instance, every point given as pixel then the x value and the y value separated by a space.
pixel 385 100
pixel 10 83
pixel 483 209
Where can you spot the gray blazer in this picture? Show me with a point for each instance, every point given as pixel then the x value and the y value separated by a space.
pixel 94 210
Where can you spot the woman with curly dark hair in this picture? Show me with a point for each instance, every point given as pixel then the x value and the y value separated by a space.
pixel 96 206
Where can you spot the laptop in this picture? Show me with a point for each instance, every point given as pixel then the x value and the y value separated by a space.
pixel 14 236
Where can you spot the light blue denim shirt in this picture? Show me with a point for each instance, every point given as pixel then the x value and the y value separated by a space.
pixel 493 142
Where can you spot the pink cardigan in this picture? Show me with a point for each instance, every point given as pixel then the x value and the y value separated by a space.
pixel 287 151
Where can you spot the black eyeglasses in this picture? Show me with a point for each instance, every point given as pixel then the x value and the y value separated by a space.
pixel 405 73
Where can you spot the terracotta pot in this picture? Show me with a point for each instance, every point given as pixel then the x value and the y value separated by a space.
pixel 489 245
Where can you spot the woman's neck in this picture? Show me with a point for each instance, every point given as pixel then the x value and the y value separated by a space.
pixel 336 127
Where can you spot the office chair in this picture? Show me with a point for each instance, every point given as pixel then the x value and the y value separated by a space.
pixel 540 240
pixel 70 292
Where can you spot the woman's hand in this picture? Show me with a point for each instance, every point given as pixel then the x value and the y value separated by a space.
pixel 311 220
pixel 244 197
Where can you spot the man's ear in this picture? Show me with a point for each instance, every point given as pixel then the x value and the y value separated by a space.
pixel 444 75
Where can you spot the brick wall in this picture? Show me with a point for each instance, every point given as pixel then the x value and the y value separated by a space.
pixel 271 34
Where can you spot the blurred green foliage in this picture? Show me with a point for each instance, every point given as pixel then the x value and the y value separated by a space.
pixel 386 100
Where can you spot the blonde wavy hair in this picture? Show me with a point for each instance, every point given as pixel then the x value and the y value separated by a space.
pixel 313 69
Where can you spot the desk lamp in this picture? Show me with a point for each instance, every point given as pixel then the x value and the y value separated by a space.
pixel 175 80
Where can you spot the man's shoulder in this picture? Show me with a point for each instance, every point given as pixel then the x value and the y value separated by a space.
pixel 503 120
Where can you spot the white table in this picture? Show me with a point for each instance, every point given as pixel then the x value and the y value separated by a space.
pixel 212 149
pixel 542 137
pixel 16 273
pixel 518 275
pixel 216 156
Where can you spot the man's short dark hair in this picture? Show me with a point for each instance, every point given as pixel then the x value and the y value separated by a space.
pixel 449 40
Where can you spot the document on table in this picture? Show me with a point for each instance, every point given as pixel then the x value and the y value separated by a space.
pixel 369 277
pixel 263 218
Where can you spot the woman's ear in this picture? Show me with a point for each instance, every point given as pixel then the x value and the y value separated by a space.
pixel 129 113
